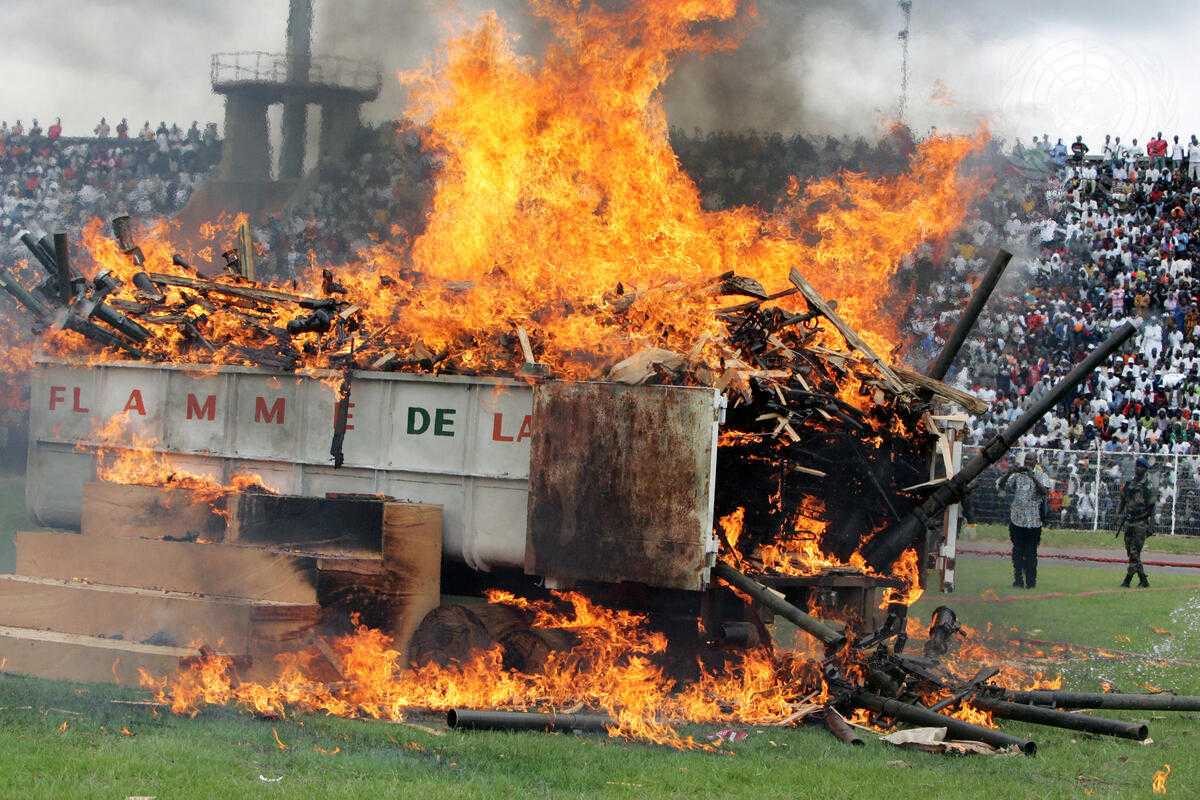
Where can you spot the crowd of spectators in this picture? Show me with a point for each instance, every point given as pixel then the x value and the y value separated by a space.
pixel 1101 237
pixel 51 181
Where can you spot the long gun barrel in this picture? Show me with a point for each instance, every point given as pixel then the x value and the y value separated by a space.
pixel 883 550
pixel 43 257
pixel 969 317
pixel 761 594
pixel 22 295
pixel 1114 701
pixel 62 261
pixel 462 718
pixel 956 728
pixel 1039 715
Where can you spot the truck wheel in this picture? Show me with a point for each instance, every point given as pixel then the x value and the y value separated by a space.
pixel 452 633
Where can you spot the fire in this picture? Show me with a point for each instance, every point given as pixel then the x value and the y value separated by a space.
pixel 969 713
pixel 908 568
pixel 561 207
pixel 1159 784
pixel 611 668
pixel 732 525
pixel 559 184
pixel 127 456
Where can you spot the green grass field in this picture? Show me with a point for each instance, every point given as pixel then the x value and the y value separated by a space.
pixel 223 753
pixel 1103 539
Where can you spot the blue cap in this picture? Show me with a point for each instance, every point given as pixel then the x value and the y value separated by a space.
pixel 1142 462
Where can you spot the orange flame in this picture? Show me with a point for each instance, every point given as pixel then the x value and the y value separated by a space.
pixel 1159 784
pixel 561 207
pixel 908 568
pixel 127 456
pixel 611 669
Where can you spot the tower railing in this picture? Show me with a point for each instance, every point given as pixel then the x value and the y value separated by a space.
pixel 257 66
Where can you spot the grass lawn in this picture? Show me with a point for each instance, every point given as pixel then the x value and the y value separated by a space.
pixel 1052 537
pixel 226 754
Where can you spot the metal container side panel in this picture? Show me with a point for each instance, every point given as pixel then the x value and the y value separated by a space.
pixel 61 400
pixel 453 441
pixel 141 396
pixel 428 428
pixel 270 418
pixel 503 430
pixel 621 483
pixel 498 522
pixel 368 428
pixel 199 415
pixel 54 481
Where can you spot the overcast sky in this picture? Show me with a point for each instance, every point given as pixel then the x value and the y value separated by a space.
pixel 1024 66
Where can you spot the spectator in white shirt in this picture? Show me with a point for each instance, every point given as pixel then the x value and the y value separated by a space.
pixel 1178 154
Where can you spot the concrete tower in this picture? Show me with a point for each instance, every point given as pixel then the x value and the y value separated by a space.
pixel 254 81
pixel 295 109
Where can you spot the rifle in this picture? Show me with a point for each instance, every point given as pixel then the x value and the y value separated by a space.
pixel 1120 524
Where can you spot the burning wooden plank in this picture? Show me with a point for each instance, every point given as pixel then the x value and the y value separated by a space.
pixel 851 336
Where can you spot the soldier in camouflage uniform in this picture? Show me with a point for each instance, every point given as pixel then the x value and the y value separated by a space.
pixel 1138 499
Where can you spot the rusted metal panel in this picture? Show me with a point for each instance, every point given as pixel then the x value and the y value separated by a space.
pixel 621 483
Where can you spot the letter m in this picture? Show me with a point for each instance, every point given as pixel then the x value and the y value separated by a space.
pixel 207 411
pixel 273 414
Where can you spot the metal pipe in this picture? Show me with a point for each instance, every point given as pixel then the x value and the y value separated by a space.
pixel 883 550
pixel 62 260
pixel 956 728
pixel 22 295
pixel 764 596
pixel 1039 715
pixel 131 328
pixel 836 724
pixel 469 719
pixel 970 315
pixel 122 228
pixel 1115 701
pixel 68 318
pixel 43 257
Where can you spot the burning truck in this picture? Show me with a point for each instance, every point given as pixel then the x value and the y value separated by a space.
pixel 799 490
pixel 647 432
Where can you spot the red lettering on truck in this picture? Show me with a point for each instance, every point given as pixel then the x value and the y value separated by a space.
pixel 207 411
pixel 273 414
pixel 57 398
pixel 337 415
pixel 135 403
pixel 524 432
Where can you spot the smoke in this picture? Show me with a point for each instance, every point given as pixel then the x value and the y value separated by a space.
pixel 817 67
pixel 122 58
pixel 401 36
pixel 790 72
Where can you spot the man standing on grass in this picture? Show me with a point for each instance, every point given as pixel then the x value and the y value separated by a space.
pixel 1027 489
pixel 1136 508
